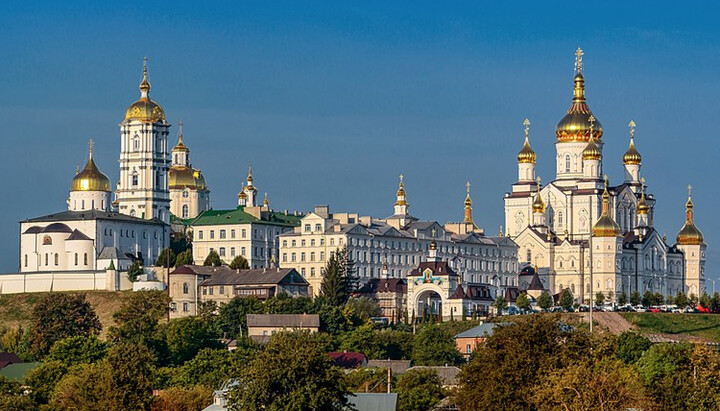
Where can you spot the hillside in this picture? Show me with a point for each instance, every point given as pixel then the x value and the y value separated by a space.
pixel 698 325
pixel 16 309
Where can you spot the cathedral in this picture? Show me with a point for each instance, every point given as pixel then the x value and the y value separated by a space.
pixel 581 233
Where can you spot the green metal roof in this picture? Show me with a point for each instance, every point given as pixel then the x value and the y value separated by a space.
pixel 18 371
pixel 239 216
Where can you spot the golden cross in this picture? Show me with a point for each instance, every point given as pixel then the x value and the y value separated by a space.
pixel 434 232
pixel 642 180
pixel 578 60
pixel 632 129
pixel 401 178
pixel 526 123
pixel 468 187
pixel 90 145
pixel 606 180
pixel 689 190
pixel 538 180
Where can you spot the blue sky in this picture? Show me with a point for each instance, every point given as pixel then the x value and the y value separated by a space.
pixel 330 101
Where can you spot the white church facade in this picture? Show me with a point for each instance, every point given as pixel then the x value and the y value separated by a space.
pixel 578 226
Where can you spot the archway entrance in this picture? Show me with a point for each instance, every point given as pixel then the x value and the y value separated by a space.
pixel 429 303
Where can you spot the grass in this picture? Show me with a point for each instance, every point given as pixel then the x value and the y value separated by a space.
pixel 699 325
pixel 16 309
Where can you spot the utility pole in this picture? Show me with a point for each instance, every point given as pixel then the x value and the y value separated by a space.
pixel 389 380
pixel 592 303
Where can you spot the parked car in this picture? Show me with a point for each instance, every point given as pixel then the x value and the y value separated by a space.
pixel 640 309
pixel 627 308
pixel 584 308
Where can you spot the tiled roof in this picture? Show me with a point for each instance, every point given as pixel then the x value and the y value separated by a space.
pixel 535 284
pixel 437 267
pixel 283 320
pixel 227 276
pixel 396 366
pixel 379 285
pixel 372 401
pixel 239 216
pixel 447 373
pixel 482 330
pixel 78 235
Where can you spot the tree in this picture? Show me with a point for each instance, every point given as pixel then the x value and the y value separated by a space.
pixel 239 263
pixel 61 315
pixel 184 258
pixel 545 300
pixel 184 337
pixel 212 259
pixel 419 390
pixel 233 315
pixel 78 350
pixel 279 379
pixel 434 345
pixel 183 399
pixel 136 321
pixel 566 299
pixel 364 308
pixel 635 298
pixel 681 300
pixel 212 367
pixel 134 271
pixel 715 302
pixel 161 260
pixel 599 298
pixel 623 299
pixel 705 300
pixel 631 346
pixel 122 381
pixel 500 304
pixel 522 301
pixel 43 380
pixel 648 299
pixel 337 283
pixel 603 385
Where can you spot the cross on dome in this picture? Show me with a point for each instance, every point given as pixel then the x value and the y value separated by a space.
pixel 578 60
pixel 632 129
pixel 526 123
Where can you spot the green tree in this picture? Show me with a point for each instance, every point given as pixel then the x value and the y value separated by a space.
pixel 136 321
pixel 522 301
pixel 337 280
pixel 43 380
pixel 285 304
pixel 13 398
pixel 635 298
pixel 545 301
pixel 233 315
pixel 364 308
pixel 715 303
pixel 693 299
pixel 396 344
pixel 500 304
pixel 631 346
pixel 599 298
pixel 61 315
pixel 566 299
pixel 648 298
pixel 239 263
pixel 184 337
pixel 212 367
pixel 419 390
pixel 212 259
pixel 434 345
pixel 183 399
pixel 78 350
pixel 161 260
pixel 279 379
pixel 134 271
pixel 184 258
pixel 705 300
pixel 623 299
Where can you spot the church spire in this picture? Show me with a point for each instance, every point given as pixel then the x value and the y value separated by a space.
pixel 605 225
pixel 689 234
pixel 145 84
pixel 468 206
pixel 526 154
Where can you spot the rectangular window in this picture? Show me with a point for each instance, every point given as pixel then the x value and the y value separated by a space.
pixel 284 258
pixel 318 227
pixel 211 290
pixel 322 255
pixel 222 251
pixel 242 251
pixel 312 242
pixel 312 256
pixel 294 243
pixel 222 289
pixel 307 228
pixel 212 234
pixel 302 256
pixel 322 241
pixel 292 257
pixel 302 243
pixel 232 251
pixel 284 243
pixel 222 233
pixel 204 290
pixel 244 233
pixel 232 233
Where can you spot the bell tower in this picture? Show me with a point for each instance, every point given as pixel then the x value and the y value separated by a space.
pixel 142 190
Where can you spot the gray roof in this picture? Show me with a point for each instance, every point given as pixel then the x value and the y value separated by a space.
pixel 396 366
pixel 366 401
pixel 283 320
pixel 482 330
pixel 109 253
pixel 91 215
pixel 227 276
pixel 78 235
pixel 447 373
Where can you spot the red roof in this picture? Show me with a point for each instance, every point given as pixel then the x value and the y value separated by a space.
pixel 7 358
pixel 348 359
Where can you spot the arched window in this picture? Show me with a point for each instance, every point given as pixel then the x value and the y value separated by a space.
pixel 132 212
pixel 134 178
pixel 46 258
pixel 185 212
pixel 529 255
pixel 85 259
pixel 76 259
pixel 57 259
pixel 567 163
pixel 26 260
pixel 560 219
pixel 136 143
pixel 186 288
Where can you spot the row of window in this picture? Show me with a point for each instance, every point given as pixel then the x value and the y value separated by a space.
pixel 56 259
pixel 222 234
pixel 109 232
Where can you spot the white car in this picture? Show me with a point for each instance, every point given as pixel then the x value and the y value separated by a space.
pixel 640 309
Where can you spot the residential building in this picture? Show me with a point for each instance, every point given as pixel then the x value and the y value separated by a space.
pixel 389 293
pixel 348 360
pixel 398 244
pixel 262 326
pixel 468 341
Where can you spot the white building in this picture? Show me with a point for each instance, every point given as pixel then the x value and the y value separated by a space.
pixel 250 230
pixel 399 242
pixel 88 236
pixel 189 195
pixel 577 218
pixel 142 190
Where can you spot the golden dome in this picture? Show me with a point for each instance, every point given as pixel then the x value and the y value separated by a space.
pixel 180 177
pixel 180 146
pixel 605 225
pixel 90 178
pixel 242 193
pixel 538 205
pixel 526 154
pixel 575 126
pixel 401 193
pixel 642 207
pixel 689 234
pixel 632 157
pixel 145 109
pixel 592 151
